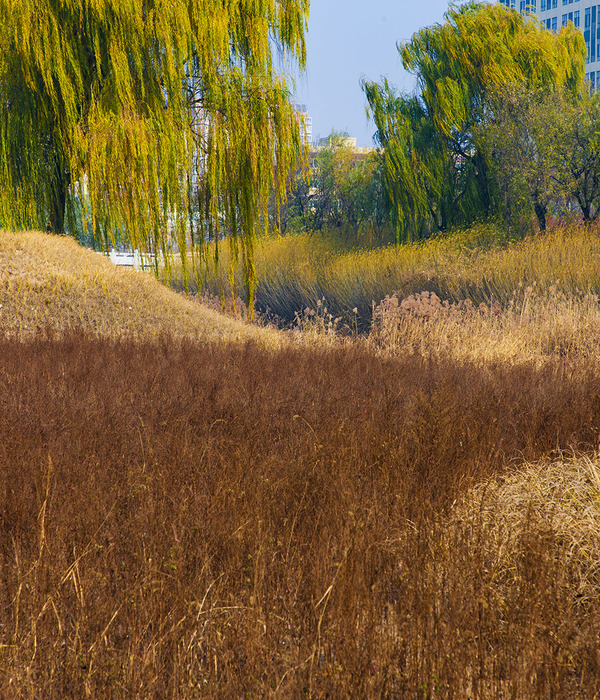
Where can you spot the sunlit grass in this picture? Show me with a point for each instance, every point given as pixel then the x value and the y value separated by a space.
pixel 401 514
pixel 51 283
pixel 535 327
pixel 480 264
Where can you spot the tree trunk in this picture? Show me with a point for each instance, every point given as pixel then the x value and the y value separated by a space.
pixel 585 207
pixel 58 201
pixel 540 212
pixel 59 180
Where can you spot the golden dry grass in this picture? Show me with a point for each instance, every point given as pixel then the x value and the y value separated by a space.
pixel 51 283
pixel 561 497
pixel 182 518
pixel 536 327
pixel 295 272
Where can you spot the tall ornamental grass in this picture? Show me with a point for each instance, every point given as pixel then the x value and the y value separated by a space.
pixel 479 264
pixel 185 519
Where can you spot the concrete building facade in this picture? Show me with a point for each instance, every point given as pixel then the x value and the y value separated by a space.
pixel 305 122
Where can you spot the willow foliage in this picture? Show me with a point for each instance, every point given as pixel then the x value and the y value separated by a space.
pixel 165 119
pixel 436 172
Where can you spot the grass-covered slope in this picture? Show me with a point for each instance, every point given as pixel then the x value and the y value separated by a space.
pixel 52 283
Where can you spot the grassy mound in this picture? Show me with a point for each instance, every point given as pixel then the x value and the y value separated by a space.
pixel 52 283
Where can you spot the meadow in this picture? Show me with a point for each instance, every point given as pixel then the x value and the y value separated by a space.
pixel 208 508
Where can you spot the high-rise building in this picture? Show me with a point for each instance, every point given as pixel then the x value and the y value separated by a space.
pixel 584 14
pixel 305 122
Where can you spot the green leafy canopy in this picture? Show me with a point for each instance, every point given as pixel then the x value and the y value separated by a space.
pixel 436 173
pixel 155 115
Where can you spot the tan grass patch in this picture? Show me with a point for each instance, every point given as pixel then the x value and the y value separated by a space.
pixel 536 327
pixel 560 499
pixel 52 283
pixel 295 271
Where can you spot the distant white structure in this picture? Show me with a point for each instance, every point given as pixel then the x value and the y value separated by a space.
pixel 348 142
pixel 131 259
pixel 305 122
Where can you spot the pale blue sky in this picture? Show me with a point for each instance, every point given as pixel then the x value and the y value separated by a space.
pixel 348 39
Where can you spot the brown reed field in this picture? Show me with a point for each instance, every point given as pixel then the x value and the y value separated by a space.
pixel 270 518
pixel 186 519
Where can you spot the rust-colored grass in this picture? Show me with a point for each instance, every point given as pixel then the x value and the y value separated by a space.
pixel 391 517
pixel 185 519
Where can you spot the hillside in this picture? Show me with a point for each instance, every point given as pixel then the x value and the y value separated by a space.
pixel 52 283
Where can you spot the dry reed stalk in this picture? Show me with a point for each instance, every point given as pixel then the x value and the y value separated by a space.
pixel 536 327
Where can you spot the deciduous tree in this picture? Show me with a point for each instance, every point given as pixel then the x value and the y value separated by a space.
pixel 342 191
pixel 543 149
pixel 159 115
pixel 436 172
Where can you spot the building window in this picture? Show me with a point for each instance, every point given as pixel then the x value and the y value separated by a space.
pixel 576 18
pixel 554 24
pixel 564 20
pixel 543 6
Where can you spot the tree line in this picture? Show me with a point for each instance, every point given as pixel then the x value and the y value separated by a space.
pixel 501 124
pixel 170 123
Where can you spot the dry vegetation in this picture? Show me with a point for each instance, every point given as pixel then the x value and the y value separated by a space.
pixel 479 264
pixel 51 283
pixel 184 518
pixel 535 328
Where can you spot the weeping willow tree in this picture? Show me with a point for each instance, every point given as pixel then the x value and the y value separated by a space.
pixel 164 120
pixel 435 169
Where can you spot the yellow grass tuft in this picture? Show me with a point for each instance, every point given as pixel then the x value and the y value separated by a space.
pixel 558 499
